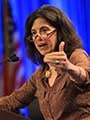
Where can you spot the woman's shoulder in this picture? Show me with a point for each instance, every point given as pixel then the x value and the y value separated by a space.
pixel 79 54
pixel 79 51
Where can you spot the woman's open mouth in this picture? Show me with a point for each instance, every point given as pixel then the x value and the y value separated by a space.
pixel 42 46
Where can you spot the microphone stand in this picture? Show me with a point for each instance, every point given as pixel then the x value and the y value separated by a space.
pixel 11 58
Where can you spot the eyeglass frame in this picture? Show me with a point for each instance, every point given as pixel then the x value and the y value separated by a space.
pixel 47 35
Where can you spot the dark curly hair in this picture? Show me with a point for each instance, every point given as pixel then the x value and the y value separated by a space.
pixel 63 25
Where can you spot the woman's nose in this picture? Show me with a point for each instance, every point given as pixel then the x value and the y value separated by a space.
pixel 39 37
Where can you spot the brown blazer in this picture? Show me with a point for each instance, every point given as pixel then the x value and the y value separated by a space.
pixel 65 100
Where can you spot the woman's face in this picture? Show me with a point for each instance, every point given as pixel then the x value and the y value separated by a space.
pixel 44 36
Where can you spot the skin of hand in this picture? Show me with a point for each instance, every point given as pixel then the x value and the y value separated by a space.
pixel 64 63
pixel 60 56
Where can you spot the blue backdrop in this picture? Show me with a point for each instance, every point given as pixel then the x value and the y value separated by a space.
pixel 77 10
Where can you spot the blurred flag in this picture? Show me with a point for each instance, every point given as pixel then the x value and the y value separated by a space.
pixel 1 48
pixel 13 72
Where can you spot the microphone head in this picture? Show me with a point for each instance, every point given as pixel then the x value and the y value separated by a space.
pixel 13 58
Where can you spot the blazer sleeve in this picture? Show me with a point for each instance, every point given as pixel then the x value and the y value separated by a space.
pixel 20 97
pixel 80 58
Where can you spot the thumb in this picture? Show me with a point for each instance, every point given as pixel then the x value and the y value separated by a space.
pixel 61 46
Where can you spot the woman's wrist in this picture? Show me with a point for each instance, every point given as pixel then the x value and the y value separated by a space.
pixel 82 73
pixel 77 71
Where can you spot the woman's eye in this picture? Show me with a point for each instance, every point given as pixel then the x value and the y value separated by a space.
pixel 33 33
pixel 44 30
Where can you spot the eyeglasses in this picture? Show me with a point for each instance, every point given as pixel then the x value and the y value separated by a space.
pixel 46 34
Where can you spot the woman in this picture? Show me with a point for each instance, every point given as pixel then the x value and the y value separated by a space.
pixel 62 83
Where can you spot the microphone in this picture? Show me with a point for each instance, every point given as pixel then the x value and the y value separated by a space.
pixel 11 58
